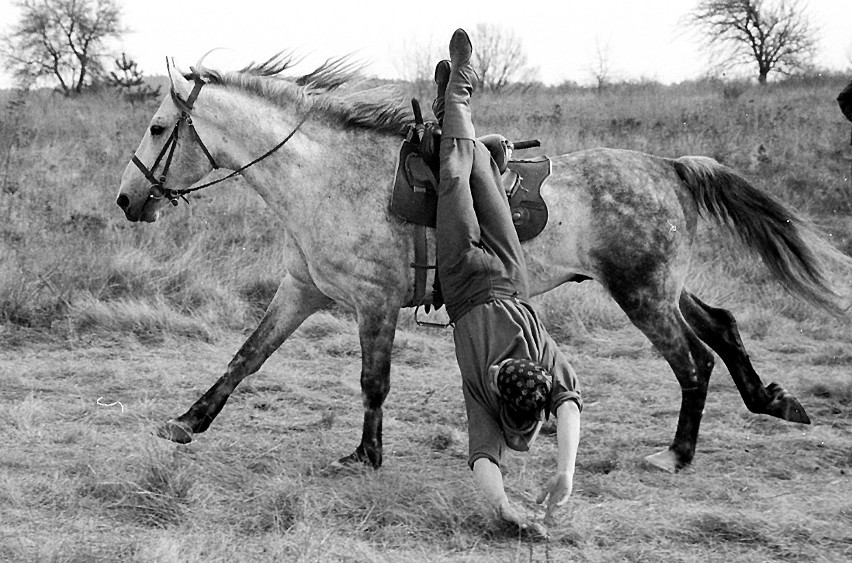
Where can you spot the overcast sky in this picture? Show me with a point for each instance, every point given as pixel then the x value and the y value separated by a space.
pixel 642 38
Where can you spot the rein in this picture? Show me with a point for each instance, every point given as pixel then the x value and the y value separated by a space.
pixel 157 190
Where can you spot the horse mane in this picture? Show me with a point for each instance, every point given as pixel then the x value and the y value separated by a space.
pixel 335 89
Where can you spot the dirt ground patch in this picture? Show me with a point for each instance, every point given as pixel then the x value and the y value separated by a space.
pixel 84 480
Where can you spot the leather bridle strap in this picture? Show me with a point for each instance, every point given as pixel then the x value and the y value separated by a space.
pixel 168 147
pixel 201 144
pixel 268 153
pixel 157 191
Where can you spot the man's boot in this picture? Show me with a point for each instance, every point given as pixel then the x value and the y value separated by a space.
pixel 442 77
pixel 462 80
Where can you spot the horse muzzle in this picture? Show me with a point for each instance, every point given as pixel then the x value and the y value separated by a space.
pixel 146 211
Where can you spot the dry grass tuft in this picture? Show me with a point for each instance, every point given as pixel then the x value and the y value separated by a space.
pixel 151 322
pixel 713 528
pixel 157 495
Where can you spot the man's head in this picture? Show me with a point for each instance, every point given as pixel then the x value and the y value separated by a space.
pixel 524 387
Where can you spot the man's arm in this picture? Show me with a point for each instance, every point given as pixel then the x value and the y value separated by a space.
pixel 489 479
pixel 558 488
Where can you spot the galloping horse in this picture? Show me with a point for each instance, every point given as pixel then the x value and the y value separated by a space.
pixel 622 218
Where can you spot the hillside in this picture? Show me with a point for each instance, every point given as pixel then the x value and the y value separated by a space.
pixel 68 254
pixel 109 328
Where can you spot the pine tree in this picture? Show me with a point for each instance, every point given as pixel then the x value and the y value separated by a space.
pixel 130 81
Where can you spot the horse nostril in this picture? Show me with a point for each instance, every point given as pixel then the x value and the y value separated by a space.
pixel 123 201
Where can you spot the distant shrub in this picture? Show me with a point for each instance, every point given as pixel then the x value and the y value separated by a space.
pixel 733 90
pixel 129 80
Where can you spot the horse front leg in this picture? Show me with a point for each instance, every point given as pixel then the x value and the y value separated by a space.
pixel 376 329
pixel 294 301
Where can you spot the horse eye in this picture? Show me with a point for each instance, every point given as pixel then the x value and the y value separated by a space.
pixel 157 130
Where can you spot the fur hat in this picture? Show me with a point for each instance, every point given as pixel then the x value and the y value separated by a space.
pixel 525 387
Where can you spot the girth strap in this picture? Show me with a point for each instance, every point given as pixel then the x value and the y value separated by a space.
pixel 420 265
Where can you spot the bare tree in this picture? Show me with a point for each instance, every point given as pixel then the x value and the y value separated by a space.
pixel 415 61
pixel 600 68
pixel 774 35
pixel 498 56
pixel 62 40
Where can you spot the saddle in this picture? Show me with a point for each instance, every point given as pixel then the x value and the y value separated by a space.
pixel 415 197
pixel 415 191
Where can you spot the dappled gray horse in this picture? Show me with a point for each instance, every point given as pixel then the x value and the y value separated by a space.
pixel 328 148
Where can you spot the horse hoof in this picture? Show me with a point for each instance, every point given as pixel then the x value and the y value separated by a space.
pixel 665 460
pixel 784 405
pixel 361 457
pixel 342 467
pixel 175 431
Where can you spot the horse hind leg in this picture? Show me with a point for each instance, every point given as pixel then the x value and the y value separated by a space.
pixel 294 301
pixel 718 329
pixel 653 310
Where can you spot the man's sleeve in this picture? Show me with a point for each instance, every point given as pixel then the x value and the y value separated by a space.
pixel 566 385
pixel 485 439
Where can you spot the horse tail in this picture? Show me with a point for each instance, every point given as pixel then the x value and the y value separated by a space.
pixel 787 244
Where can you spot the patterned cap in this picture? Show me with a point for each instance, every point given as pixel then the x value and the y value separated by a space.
pixel 524 387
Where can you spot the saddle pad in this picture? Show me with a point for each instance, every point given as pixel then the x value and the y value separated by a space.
pixel 414 198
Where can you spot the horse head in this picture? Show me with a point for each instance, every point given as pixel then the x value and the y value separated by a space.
pixel 170 156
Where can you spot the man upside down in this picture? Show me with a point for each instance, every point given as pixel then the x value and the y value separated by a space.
pixel 513 374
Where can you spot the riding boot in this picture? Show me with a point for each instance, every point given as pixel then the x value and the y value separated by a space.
pixel 442 76
pixel 462 80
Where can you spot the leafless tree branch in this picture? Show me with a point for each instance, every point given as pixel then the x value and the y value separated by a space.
pixel 774 35
pixel 61 39
pixel 498 56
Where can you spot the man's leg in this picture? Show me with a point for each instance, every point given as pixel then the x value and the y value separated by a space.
pixel 492 208
pixel 457 225
pixel 461 83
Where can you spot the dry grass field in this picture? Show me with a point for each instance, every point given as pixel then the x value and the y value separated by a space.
pixel 108 328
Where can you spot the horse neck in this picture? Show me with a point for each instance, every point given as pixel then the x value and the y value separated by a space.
pixel 239 127
pixel 242 127
pixel 318 161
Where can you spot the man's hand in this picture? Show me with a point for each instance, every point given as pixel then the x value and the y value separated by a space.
pixel 527 526
pixel 556 493
pixel 490 480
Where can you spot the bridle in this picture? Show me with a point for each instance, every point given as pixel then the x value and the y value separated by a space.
pixel 158 191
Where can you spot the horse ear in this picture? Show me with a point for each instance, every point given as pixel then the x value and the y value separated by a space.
pixel 178 84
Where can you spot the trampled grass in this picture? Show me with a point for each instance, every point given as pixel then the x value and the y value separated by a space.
pixel 84 479
pixel 109 328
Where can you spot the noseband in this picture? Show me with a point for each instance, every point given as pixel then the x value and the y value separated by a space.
pixel 158 190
